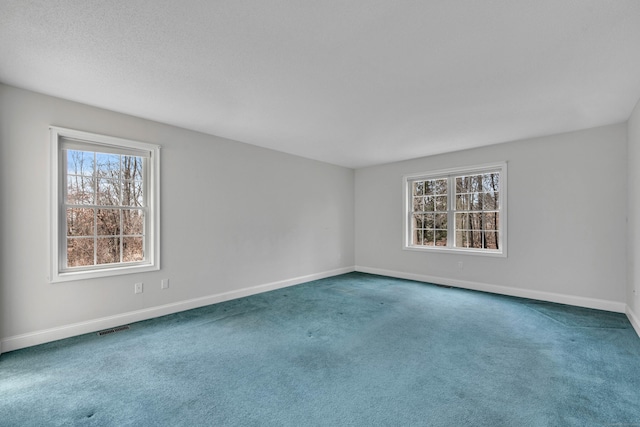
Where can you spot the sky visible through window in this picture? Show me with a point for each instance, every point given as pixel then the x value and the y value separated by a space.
pixel 104 208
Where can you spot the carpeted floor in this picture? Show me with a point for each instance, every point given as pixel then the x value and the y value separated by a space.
pixel 352 350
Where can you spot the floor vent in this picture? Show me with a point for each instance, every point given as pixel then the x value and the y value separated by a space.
pixel 111 331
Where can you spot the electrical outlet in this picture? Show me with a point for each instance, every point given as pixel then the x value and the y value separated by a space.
pixel 138 288
pixel 460 265
pixel 164 284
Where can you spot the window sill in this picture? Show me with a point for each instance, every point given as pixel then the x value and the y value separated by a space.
pixel 69 276
pixel 457 251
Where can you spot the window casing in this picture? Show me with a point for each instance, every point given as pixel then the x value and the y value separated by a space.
pixel 104 205
pixel 457 210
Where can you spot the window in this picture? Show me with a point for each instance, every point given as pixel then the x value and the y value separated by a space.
pixel 457 210
pixel 105 198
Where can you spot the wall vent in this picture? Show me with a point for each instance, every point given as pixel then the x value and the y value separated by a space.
pixel 113 330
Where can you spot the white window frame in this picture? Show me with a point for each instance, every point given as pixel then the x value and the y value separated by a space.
pixel 450 174
pixel 151 262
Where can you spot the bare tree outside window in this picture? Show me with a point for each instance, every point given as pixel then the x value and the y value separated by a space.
pixel 457 209
pixel 429 212
pixel 477 211
pixel 105 210
pixel 105 205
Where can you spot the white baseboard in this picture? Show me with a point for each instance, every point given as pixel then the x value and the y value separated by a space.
pixel 53 334
pixel 634 319
pixel 599 304
pixel 43 336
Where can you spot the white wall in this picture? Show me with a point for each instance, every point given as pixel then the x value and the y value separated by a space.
pixel 567 211
pixel 566 219
pixel 633 234
pixel 235 219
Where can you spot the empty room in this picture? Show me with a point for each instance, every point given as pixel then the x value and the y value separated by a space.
pixel 329 213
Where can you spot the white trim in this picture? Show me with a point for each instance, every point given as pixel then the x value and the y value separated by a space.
pixel 109 141
pixel 56 273
pixel 599 304
pixel 66 331
pixel 453 171
pixel 457 251
pixel 634 319
pixel 408 197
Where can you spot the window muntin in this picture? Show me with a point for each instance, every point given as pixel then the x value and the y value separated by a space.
pixel 457 210
pixel 429 212
pixel 105 206
pixel 477 213
pixel 105 214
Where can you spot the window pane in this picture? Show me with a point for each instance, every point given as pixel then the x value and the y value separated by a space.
pixel 418 221
pixel 497 221
pixel 475 202
pixel 80 222
pixel 469 239
pixel 463 184
pixel 491 182
pixel 79 190
pixel 462 221
pixel 417 237
pixel 491 239
pixel 79 163
pixel 441 221
pixel 475 221
pixel 132 193
pixel 462 238
pixel 108 165
pixel 475 239
pixel 490 201
pixel 108 250
pixel 132 249
pixel 108 222
pixel 132 168
pixel 79 252
pixel 428 238
pixel 428 187
pixel 429 204
pixel 462 202
pixel 418 204
pixel 441 237
pixel 476 183
pixel 441 203
pixel 491 221
pixel 440 186
pixel 108 192
pixel 429 221
pixel 418 188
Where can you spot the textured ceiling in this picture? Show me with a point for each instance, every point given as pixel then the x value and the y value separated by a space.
pixel 354 83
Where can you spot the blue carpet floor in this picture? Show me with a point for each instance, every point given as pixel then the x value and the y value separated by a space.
pixel 352 350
